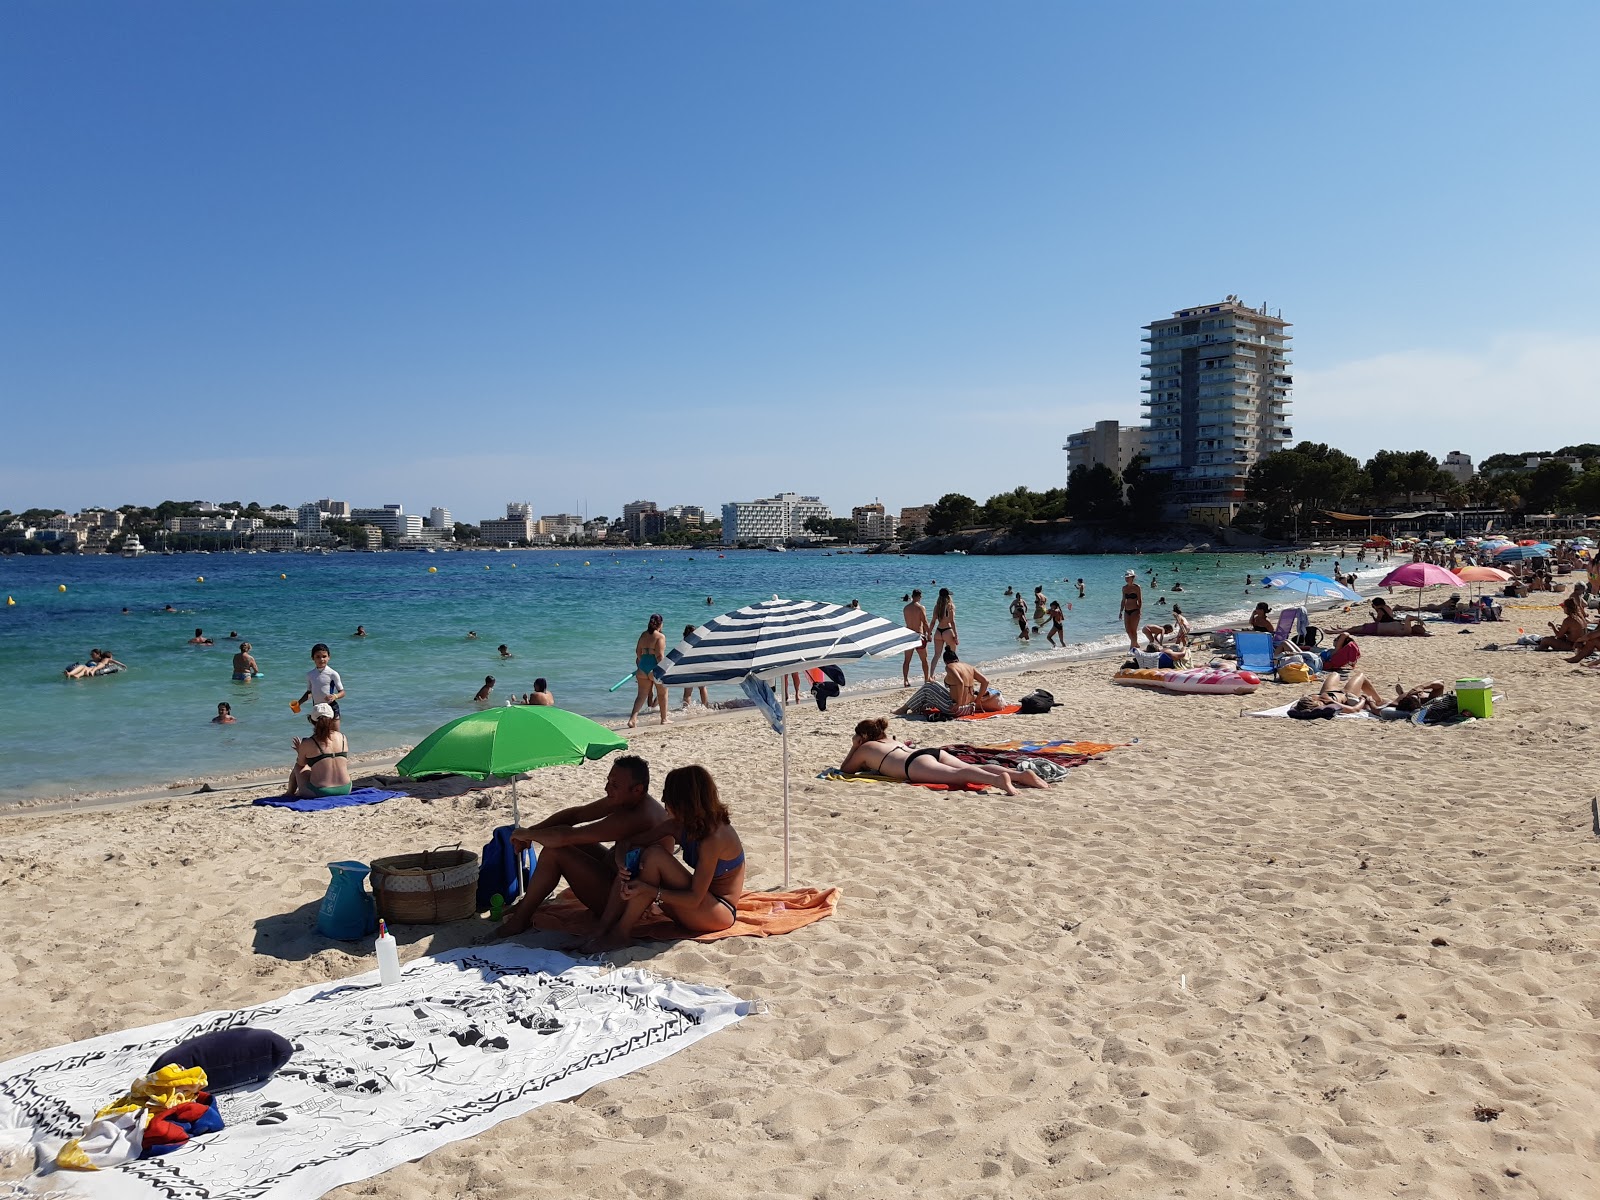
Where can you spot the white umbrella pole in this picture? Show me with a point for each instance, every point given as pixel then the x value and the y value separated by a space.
pixel 516 823
pixel 786 802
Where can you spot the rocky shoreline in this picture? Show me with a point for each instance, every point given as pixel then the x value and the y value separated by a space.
pixel 1088 538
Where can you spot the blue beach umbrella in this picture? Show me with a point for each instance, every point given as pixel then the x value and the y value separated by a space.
pixel 775 638
pixel 1311 584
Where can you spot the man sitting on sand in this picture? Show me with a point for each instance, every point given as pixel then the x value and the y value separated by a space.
pixel 572 843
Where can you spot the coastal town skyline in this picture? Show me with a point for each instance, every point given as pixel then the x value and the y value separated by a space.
pixel 596 260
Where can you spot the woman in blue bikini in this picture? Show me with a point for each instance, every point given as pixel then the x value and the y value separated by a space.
pixel 648 652
pixel 700 893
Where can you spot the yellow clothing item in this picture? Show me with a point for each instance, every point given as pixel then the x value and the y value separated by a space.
pixel 116 1134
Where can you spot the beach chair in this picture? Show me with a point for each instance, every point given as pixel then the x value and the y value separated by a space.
pixel 1255 652
pixel 1291 624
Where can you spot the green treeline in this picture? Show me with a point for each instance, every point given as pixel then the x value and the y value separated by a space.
pixel 1303 480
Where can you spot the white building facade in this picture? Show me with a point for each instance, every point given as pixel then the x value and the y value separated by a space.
pixel 772 521
pixel 1107 442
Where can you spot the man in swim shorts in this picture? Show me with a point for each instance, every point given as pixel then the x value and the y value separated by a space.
pixel 916 619
pixel 573 843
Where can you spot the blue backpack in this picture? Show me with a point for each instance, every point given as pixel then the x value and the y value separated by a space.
pixel 497 869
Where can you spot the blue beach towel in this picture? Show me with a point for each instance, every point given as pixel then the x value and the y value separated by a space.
pixel 364 795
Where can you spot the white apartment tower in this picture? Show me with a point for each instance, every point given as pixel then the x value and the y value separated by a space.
pixel 1217 391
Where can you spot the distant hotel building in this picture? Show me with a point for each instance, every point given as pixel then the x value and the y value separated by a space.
pixel 873 524
pixel 1458 465
pixel 1108 443
pixel 439 518
pixel 772 521
pixel 1218 400
pixel 392 519
pixel 516 526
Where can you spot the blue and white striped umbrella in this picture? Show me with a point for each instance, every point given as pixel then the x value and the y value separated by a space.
pixel 774 638
pixel 778 636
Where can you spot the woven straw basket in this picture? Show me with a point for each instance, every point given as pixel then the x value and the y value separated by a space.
pixel 428 888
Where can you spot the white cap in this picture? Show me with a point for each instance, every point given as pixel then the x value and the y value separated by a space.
pixel 322 710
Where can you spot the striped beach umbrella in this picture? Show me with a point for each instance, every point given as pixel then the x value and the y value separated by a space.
pixel 777 637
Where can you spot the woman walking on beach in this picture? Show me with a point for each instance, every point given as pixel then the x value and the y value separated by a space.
pixel 320 765
pixel 700 893
pixel 944 624
pixel 648 652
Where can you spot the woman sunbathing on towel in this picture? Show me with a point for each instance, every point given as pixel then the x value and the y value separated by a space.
pixel 321 761
pixel 700 893
pixel 1354 695
pixel 874 752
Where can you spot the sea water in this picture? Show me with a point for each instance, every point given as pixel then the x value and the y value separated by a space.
pixel 569 615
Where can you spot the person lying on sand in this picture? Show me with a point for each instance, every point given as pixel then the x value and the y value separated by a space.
pixel 874 752
pixel 1409 700
pixel 573 843
pixel 1353 695
pixel 700 893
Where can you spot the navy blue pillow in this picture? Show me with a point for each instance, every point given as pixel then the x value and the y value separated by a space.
pixel 231 1058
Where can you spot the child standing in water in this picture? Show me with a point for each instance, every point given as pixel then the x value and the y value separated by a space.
pixel 323 685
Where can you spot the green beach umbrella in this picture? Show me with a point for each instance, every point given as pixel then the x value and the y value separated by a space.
pixel 508 741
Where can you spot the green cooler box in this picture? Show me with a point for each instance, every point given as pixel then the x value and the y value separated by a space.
pixel 1475 696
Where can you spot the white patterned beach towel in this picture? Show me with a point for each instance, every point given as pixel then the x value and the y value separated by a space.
pixel 379 1076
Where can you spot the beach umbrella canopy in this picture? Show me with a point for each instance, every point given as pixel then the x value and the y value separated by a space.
pixel 1420 575
pixel 1483 574
pixel 1518 553
pixel 508 741
pixel 777 637
pixel 1311 584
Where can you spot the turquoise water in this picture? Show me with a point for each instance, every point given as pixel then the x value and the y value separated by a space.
pixel 572 617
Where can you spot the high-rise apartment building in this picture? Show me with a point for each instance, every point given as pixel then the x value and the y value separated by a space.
pixel 641 519
pixel 1217 392
pixel 439 518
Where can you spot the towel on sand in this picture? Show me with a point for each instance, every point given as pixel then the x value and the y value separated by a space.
pixel 761 914
pixel 366 795
pixel 1005 711
pixel 835 775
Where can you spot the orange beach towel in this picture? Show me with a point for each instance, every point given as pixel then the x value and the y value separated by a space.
pixel 761 914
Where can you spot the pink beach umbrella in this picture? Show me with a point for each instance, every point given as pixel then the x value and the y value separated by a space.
pixel 1420 575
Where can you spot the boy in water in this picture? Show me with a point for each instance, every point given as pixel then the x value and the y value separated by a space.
pixel 483 693
pixel 323 685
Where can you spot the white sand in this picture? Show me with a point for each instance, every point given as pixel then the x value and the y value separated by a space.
pixel 1241 958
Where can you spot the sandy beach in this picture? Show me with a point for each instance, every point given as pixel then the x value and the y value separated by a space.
pixel 1237 957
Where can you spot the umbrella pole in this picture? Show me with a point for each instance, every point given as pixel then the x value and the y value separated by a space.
pixel 516 823
pixel 786 804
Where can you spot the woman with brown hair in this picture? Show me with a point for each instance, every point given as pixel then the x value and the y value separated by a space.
pixel 321 766
pixel 874 752
pixel 701 892
pixel 944 624
pixel 648 652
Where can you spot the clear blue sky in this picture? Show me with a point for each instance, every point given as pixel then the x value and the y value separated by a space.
pixel 463 253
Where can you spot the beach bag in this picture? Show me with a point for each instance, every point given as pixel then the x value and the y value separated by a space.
pixel 1037 701
pixel 1294 672
pixel 1310 639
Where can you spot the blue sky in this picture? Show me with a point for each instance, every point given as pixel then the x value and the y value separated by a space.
pixel 582 253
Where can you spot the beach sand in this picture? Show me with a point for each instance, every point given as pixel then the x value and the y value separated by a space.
pixel 1237 958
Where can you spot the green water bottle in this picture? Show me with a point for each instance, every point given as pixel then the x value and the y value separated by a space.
pixel 497 905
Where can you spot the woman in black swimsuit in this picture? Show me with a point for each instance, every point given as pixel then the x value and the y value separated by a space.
pixel 1132 607
pixel 320 765
pixel 700 893
pixel 874 752
pixel 944 624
